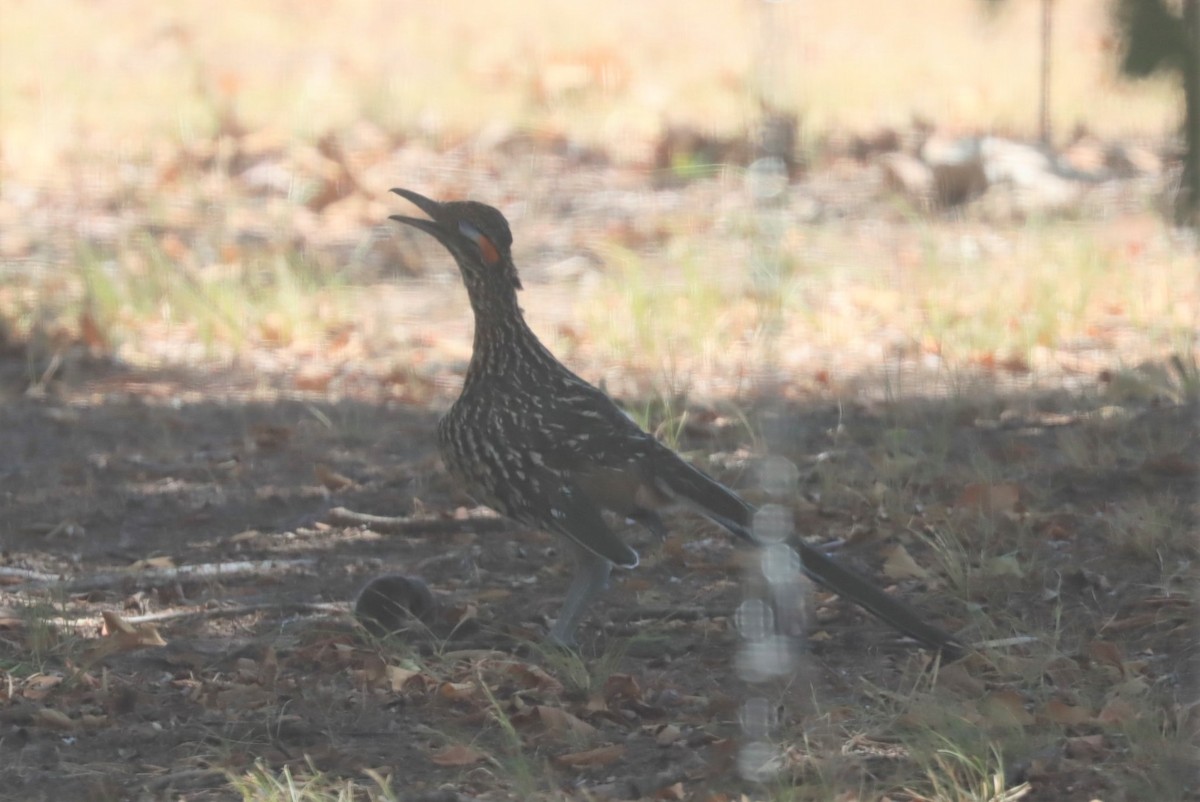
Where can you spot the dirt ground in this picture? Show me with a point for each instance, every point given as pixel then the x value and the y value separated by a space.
pixel 112 476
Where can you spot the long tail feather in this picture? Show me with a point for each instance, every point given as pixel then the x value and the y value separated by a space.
pixel 720 504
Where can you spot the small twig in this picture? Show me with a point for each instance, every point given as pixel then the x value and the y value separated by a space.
pixel 240 609
pixel 667 613
pixel 25 573
pixel 150 576
pixel 418 524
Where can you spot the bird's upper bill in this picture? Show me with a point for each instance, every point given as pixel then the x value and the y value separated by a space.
pixel 472 231
pixel 430 207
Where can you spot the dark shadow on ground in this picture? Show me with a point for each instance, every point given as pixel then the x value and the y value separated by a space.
pixel 117 465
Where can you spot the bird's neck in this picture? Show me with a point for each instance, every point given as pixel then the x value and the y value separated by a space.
pixel 504 343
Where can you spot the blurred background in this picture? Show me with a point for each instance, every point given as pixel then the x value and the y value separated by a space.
pixel 937 258
pixel 185 183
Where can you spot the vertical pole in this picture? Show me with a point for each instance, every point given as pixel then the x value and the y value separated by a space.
pixel 1187 212
pixel 1047 28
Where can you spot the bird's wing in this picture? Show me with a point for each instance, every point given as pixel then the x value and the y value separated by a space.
pixel 574 515
pixel 520 480
pixel 553 502
pixel 586 434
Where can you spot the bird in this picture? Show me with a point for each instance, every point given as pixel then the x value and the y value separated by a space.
pixel 540 445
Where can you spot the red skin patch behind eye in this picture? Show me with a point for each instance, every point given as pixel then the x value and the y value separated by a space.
pixel 488 251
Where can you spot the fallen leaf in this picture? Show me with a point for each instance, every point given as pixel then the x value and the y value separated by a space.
pixel 398 677
pixel 1107 652
pixel 244 697
pixel 458 755
pixel 1006 565
pixel 667 735
pixel 670 792
pixel 269 436
pixel 621 686
pixel 1059 712
pixel 602 756
pixel 555 719
pixel 955 677
pixel 1174 464
pixel 1005 708
pixel 990 499
pixel 90 332
pixel 39 687
pixel 1086 747
pixel 153 562
pixel 457 691
pixel 313 378
pixel 331 479
pixel 121 636
pixel 901 565
pixel 55 720
pixel 1117 711
pixel 532 676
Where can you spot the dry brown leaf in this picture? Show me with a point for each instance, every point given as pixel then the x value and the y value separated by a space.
pixel 314 378
pixel 667 735
pixel 1059 712
pixel 244 697
pixel 532 676
pixel 673 548
pixel 458 755
pixel 39 687
pixel 331 479
pixel 121 636
pixel 955 677
pixel 398 677
pixel 90 332
pixel 269 667
pixel 1005 708
pixel 595 704
pixel 153 562
pixel 267 436
pixel 1117 711
pixel 622 686
pixel 602 756
pixel 990 499
pixel 1137 621
pixel 1086 747
pixel 55 720
pixel 1006 565
pixel 246 536
pixel 246 669
pixel 457 691
pixel 555 719
pixel 901 565
pixel 1174 464
pixel 1107 652
pixel 670 792
pixel 93 722
pixel 1063 672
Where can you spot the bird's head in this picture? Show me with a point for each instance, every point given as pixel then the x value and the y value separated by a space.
pixel 476 235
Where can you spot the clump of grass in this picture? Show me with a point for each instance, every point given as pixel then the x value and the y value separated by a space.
pixel 264 784
pixel 271 298
pixel 955 775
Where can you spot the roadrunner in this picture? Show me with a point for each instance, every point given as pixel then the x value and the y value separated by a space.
pixel 533 441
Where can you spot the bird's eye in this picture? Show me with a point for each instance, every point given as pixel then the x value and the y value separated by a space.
pixel 487 250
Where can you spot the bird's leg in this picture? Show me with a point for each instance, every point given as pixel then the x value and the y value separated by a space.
pixel 590 578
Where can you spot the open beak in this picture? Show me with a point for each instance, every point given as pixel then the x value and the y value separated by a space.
pixel 430 207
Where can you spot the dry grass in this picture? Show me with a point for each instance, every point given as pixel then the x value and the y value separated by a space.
pixel 120 78
pixel 934 339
